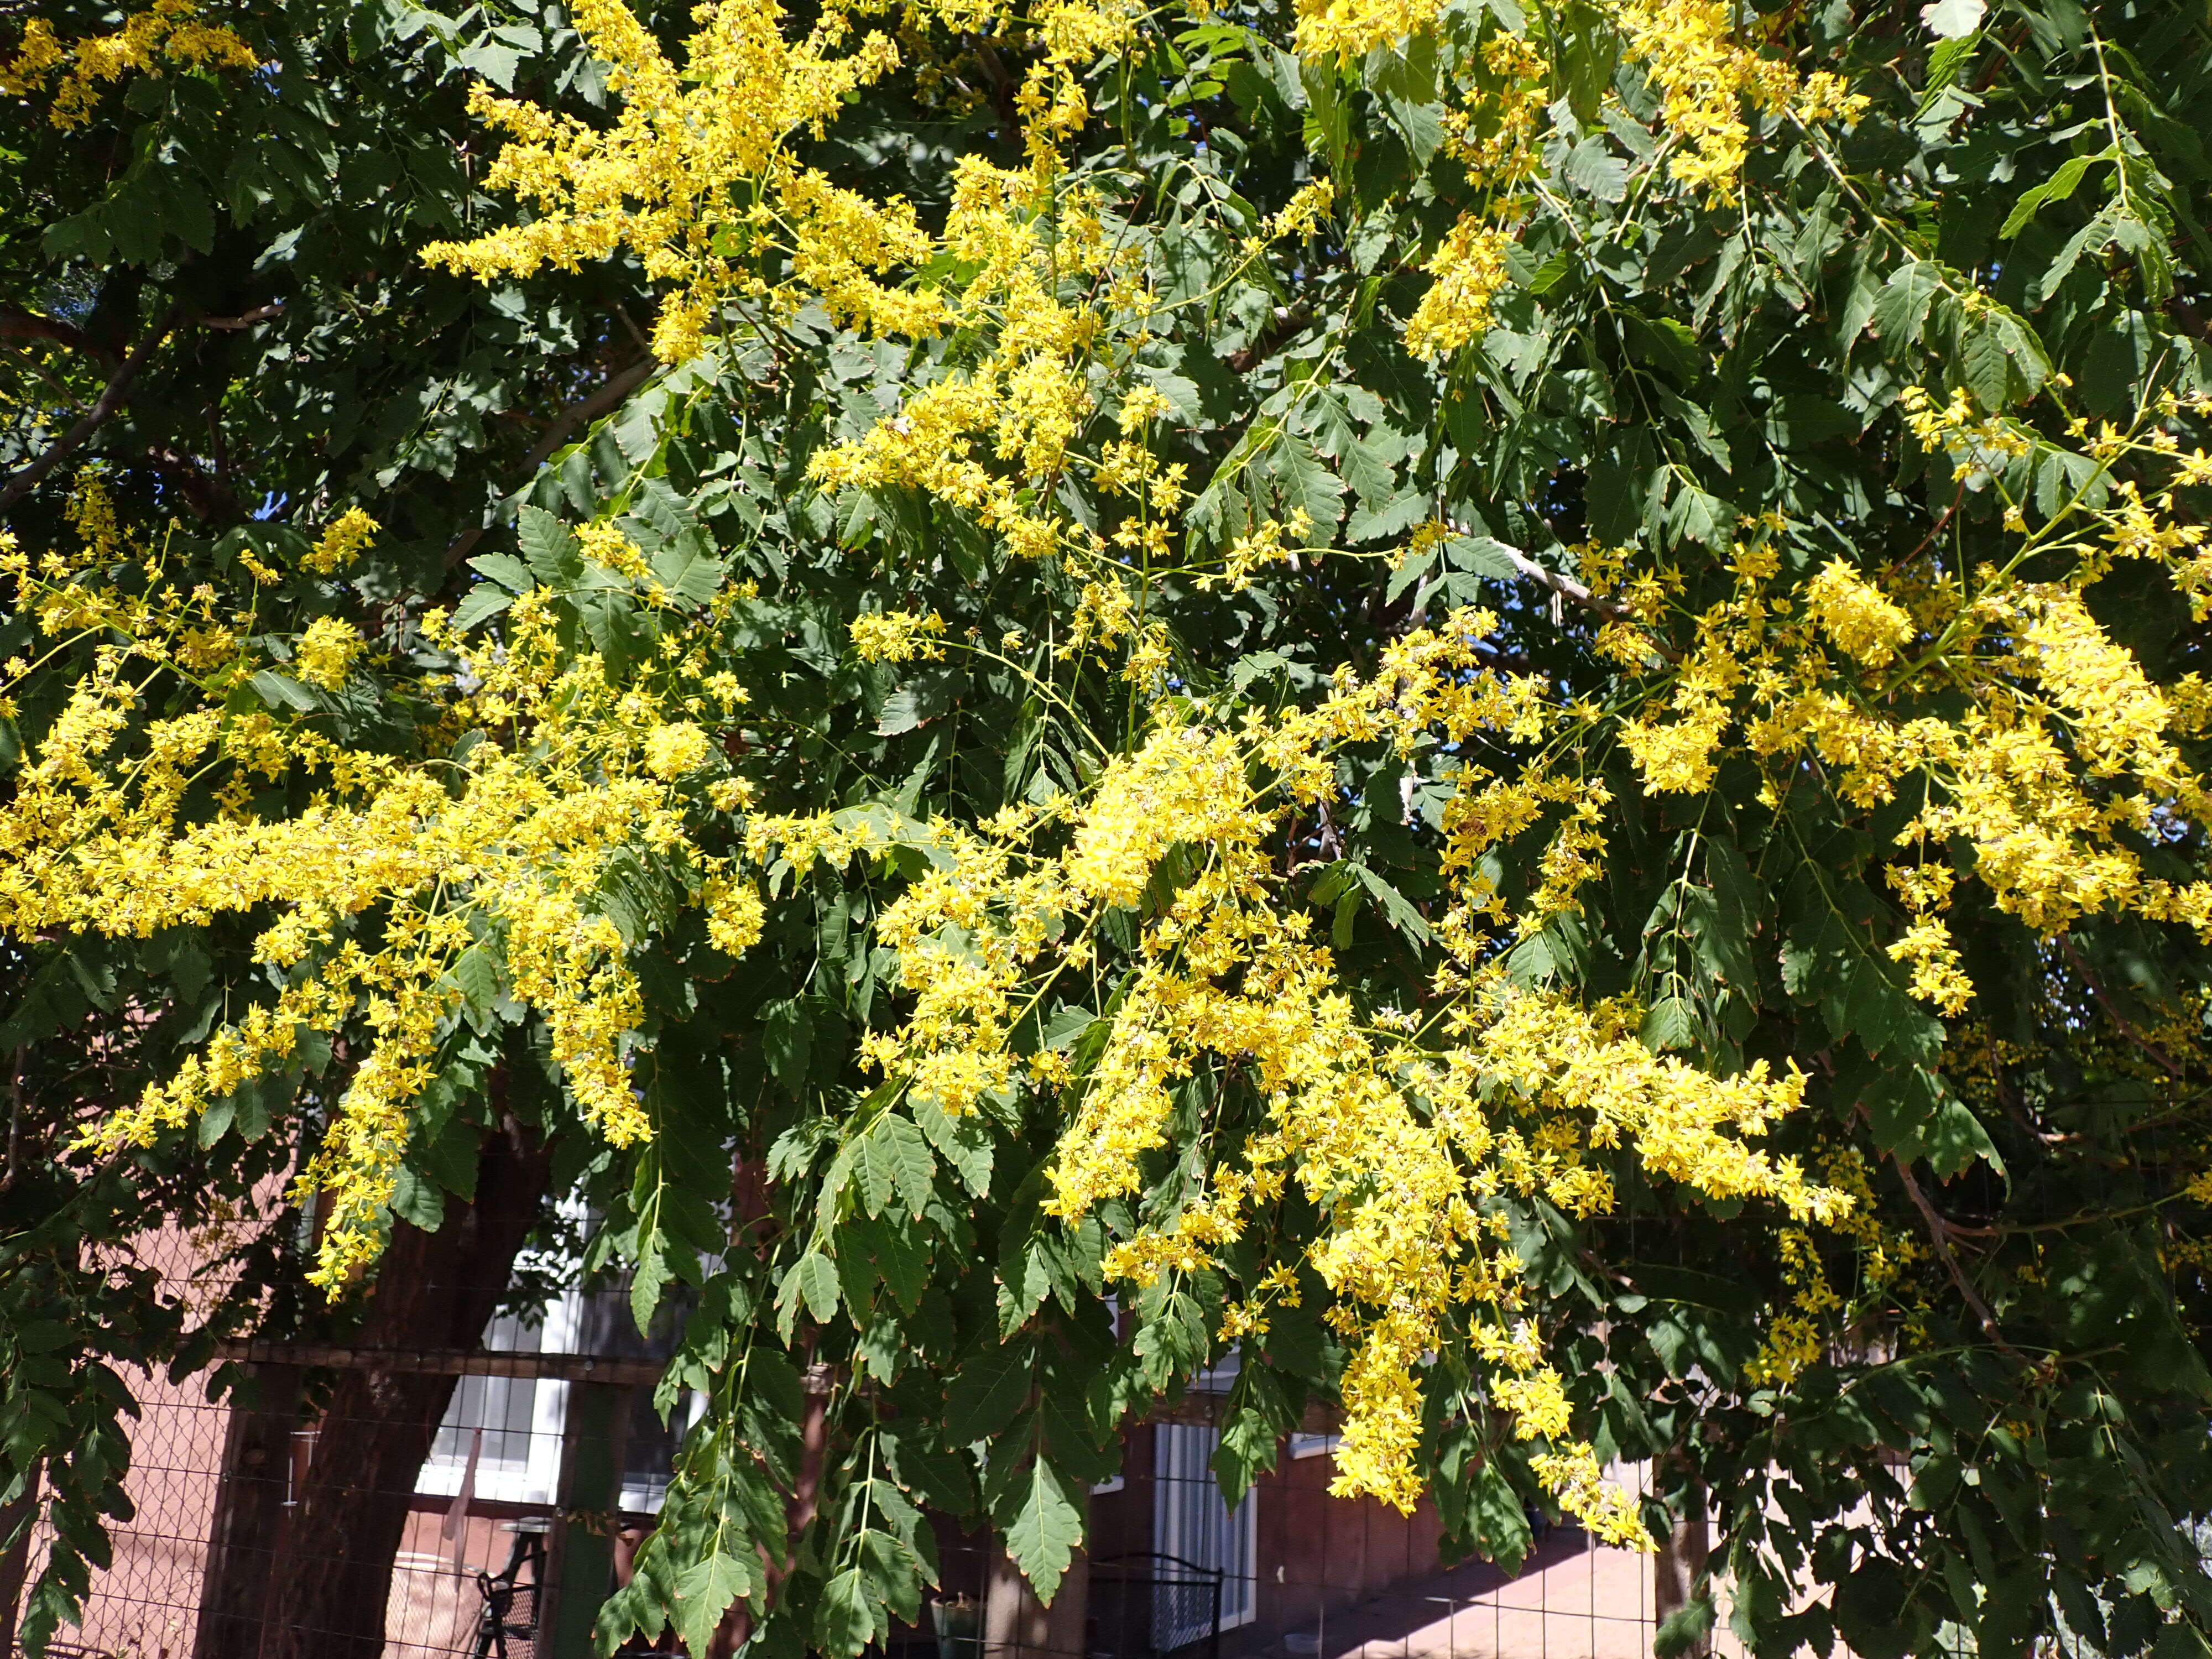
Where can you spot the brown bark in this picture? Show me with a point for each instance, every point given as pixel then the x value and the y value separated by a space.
pixel 433 1290
pixel 1680 1571
pixel 1017 1626
pixel 248 1523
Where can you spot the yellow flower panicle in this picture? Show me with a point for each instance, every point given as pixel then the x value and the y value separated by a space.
pixel 898 637
pixel 509 846
pixel 164 36
pixel 1469 268
pixel 1862 622
pixel 1409 1150
pixel 327 651
pixel 340 545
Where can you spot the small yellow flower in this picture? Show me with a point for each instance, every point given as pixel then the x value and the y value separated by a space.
pixel 673 749
pixel 327 652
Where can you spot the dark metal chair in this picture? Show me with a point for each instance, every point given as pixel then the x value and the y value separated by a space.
pixel 1145 1605
pixel 508 1628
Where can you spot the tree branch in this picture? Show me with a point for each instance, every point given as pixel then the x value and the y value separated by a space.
pixel 1939 1233
pixel 2112 1012
pixel 244 319
pixel 26 478
pixel 1568 588
pixel 608 397
pixel 17 324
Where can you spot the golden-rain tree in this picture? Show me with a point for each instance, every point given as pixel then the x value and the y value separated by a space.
pixel 1497 703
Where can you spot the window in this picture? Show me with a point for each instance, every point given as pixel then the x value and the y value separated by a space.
pixel 521 1418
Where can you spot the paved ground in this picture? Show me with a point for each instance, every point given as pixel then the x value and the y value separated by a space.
pixel 1571 1601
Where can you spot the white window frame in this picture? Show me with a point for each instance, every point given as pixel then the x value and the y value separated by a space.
pixel 535 1479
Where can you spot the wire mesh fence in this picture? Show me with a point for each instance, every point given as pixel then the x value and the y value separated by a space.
pixel 508 1486
pixel 497 1526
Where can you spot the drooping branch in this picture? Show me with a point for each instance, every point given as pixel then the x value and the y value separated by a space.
pixel 608 397
pixel 26 478
pixel 1938 1234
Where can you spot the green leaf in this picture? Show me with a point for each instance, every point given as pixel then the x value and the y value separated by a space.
pixel 787 1041
pixel 894 1161
pixel 651 1276
pixel 1302 480
pixel 690 574
pixel 986 1392
pixel 2055 188
pixel 280 691
pixel 1041 1516
pixel 811 1280
pixel 483 601
pixel 962 1142
pixel 846 1622
pixel 509 571
pixel 1397 909
pixel 555 557
pixel 1900 310
pixel 704 1592
pixel 1593 169
pixel 476 975
pixel 1497 1518
pixel 1671 1023
pixel 2002 358
pixel 1482 556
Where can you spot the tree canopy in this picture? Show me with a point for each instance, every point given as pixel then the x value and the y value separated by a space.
pixel 1499 703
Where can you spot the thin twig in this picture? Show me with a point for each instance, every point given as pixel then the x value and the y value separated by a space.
pixel 1939 1233
pixel 2104 1000
pixel 244 319
pixel 15 1123
pixel 587 408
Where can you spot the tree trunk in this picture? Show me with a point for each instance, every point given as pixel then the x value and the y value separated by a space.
pixel 1017 1626
pixel 433 1290
pixel 247 1527
pixel 1679 1572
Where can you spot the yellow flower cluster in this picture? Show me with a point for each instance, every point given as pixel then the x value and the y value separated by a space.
pixel 1690 50
pixel 1885 1256
pixel 342 542
pixel 1693 52
pixel 698 176
pixel 2061 747
pixel 164 35
pixel 1469 267
pixel 898 637
pixel 1408 1150
pixel 505 845
pixel 1855 614
pixel 327 652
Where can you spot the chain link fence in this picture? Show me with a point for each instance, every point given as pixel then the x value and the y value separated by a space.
pixel 495 1535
